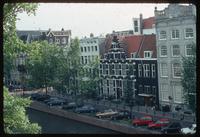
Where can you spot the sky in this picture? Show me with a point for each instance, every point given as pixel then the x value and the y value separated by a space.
pixel 83 19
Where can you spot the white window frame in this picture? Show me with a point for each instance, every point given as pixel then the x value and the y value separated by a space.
pixel 162 50
pixel 139 70
pixel 173 51
pixel 173 71
pixel 147 89
pixel 160 38
pixel 161 70
pixel 163 90
pixel 186 48
pixel 147 53
pixel 146 70
pixel 176 32
pixel 189 32
pixel 177 90
pixel 153 70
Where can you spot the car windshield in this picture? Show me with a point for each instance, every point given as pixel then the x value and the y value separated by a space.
pixel 162 122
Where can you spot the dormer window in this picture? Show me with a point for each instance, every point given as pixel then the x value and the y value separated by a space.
pixel 147 54
pixel 133 55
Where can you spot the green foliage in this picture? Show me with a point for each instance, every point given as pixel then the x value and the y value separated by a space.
pixel 15 119
pixel 189 79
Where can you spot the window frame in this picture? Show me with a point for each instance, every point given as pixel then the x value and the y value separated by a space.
pixel 161 72
pixel 173 51
pixel 176 30
pixel 186 50
pixel 173 71
pixel 165 38
pixel 189 32
pixel 162 50
pixel 148 52
pixel 153 71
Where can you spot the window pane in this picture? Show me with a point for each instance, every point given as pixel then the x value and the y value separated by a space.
pixel 176 50
pixel 163 51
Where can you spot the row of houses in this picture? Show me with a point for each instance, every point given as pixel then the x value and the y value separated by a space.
pixel 154 48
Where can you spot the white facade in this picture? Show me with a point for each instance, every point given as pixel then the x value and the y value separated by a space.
pixel 174 34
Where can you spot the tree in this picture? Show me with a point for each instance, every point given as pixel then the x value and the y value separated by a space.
pixel 129 89
pixel 42 62
pixel 12 45
pixel 15 119
pixel 189 79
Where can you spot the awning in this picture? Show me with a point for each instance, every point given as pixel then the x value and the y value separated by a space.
pixel 145 95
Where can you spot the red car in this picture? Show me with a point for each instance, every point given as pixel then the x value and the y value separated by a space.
pixel 142 121
pixel 158 124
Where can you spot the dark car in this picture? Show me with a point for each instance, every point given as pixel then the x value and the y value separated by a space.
pixel 174 127
pixel 166 108
pixel 34 96
pixel 43 97
pixel 85 109
pixel 56 102
pixel 50 99
pixel 188 112
pixel 72 105
pixel 121 115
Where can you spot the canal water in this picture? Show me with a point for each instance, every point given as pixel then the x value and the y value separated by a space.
pixel 52 124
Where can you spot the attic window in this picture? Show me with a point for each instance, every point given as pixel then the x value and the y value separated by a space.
pixel 133 55
pixel 147 54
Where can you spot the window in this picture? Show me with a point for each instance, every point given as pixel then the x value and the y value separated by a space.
pixel 89 59
pixel 146 70
pixel 147 89
pixel 136 25
pixel 175 50
pixel 154 90
pixel 163 70
pixel 139 70
pixel 88 49
pixel 95 48
pixel 85 49
pixel 50 41
pixel 153 70
pixel 82 59
pixel 176 67
pixel 175 34
pixel 189 33
pixel 140 89
pixel 164 92
pixel 163 35
pixel 177 90
pixel 92 48
pixel 111 69
pixel 133 55
pixel 147 54
pixel 188 50
pixel 85 59
pixel 81 49
pixel 63 40
pixel 163 51
pixel 57 41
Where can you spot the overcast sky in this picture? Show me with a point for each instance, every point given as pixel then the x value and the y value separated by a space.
pixel 83 19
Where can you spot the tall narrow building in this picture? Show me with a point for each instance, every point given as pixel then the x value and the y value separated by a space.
pixel 176 33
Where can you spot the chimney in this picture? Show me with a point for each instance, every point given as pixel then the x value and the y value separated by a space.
pixel 91 35
pixel 62 29
pixel 141 24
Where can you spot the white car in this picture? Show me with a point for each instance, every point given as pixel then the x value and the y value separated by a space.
pixel 191 130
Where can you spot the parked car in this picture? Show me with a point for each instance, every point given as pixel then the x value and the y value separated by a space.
pixel 72 105
pixel 188 112
pixel 189 130
pixel 43 97
pixel 85 109
pixel 166 108
pixel 158 124
pixel 174 127
pixel 34 96
pixel 50 99
pixel 121 115
pixel 56 102
pixel 142 121
pixel 106 114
